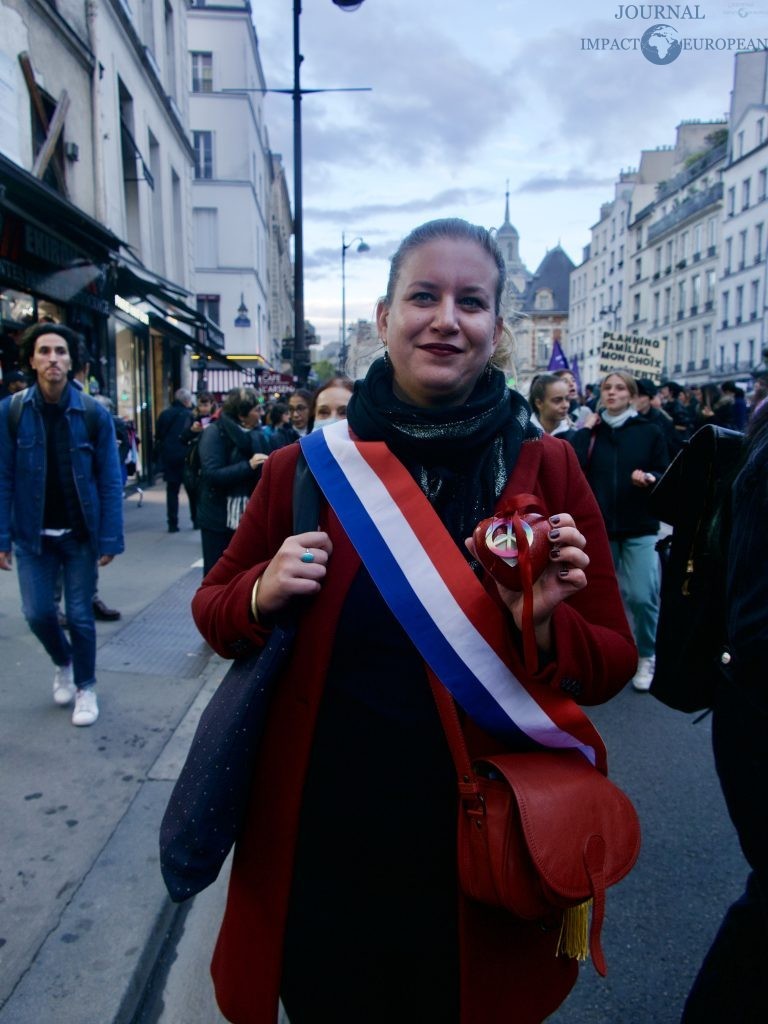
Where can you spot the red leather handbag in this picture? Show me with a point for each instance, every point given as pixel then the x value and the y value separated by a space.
pixel 540 834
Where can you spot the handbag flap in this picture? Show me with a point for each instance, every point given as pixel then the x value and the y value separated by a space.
pixel 568 809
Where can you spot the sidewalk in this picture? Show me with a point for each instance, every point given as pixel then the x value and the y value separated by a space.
pixel 83 909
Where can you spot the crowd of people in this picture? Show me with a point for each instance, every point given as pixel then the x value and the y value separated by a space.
pixel 626 431
pixel 229 442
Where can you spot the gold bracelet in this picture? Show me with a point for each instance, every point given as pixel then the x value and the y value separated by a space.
pixel 254 594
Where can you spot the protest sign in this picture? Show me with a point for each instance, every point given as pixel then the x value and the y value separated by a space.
pixel 642 357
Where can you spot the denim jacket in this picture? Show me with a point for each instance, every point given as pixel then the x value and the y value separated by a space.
pixel 95 467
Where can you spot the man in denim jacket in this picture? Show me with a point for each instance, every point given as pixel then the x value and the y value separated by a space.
pixel 61 505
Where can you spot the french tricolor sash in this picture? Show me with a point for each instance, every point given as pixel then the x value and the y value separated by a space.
pixel 457 628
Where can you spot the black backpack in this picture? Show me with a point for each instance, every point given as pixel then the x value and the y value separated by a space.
pixel 692 496
pixel 193 469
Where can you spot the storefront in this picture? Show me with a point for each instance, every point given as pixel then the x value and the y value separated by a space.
pixel 55 264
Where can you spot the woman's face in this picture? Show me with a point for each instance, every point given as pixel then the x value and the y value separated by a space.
pixel 570 382
pixel 299 411
pixel 615 395
pixel 441 327
pixel 252 419
pixel 553 407
pixel 331 404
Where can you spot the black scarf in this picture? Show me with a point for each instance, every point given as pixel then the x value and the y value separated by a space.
pixel 460 456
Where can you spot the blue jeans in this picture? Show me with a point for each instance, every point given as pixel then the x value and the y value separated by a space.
pixel 639 573
pixel 37 583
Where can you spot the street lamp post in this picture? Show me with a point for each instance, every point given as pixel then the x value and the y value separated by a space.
pixel 362 247
pixel 300 352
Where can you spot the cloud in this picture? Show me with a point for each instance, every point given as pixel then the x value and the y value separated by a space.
pixel 448 198
pixel 431 98
pixel 575 179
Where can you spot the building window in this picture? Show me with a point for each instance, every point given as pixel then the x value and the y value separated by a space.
pixel 731 206
pixel 680 300
pixel 202 72
pixel 697 240
pixel 728 253
pixel 762 183
pixel 754 294
pixel 745 187
pixel 742 249
pixel 206 237
pixel 636 307
pixel 693 346
pixel 210 306
pixel 203 143
pixel 679 350
pixel 739 304
pixel 695 292
pixel 758 242
pixel 725 307
pixel 706 342
pixel 712 234
pixel 667 304
pixel 711 279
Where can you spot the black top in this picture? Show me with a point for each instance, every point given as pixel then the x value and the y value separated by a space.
pixel 608 465
pixel 377 839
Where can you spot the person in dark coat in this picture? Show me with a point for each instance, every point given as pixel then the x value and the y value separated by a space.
pixel 623 455
pixel 646 394
pixel 171 449
pixel 731 984
pixel 344 893
pixel 232 450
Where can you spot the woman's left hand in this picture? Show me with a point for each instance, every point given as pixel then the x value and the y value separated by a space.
pixel 563 576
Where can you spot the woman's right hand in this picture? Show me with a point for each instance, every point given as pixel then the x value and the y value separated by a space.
pixel 256 459
pixel 591 421
pixel 287 576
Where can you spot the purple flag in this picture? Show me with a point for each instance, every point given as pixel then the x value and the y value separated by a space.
pixel 576 374
pixel 557 360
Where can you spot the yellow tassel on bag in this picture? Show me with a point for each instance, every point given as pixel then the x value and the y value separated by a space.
pixel 574 932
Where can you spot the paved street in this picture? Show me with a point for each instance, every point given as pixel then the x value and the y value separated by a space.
pixel 82 905
pixel 83 913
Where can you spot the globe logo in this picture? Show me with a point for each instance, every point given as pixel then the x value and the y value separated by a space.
pixel 661 44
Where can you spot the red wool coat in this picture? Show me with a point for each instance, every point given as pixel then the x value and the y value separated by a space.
pixel 509 971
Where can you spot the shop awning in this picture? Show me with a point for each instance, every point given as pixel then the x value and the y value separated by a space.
pixel 28 197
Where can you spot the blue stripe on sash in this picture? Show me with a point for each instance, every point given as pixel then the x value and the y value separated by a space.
pixel 394 587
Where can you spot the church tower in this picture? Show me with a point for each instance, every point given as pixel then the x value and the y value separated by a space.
pixel 518 275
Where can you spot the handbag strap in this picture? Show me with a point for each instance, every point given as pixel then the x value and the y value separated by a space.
pixel 454 734
pixel 306 498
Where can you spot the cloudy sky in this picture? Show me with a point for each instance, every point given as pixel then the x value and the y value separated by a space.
pixel 467 94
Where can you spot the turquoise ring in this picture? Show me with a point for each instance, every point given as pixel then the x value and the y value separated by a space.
pixel 307 556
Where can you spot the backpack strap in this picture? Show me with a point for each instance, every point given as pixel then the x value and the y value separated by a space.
pixel 14 414
pixel 90 410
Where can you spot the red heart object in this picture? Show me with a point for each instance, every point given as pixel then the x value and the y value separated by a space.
pixel 497 549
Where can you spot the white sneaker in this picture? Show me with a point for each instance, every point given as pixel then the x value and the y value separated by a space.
pixel 86 707
pixel 644 675
pixel 63 685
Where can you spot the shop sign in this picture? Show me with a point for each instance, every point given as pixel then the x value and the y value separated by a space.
pixel 133 311
pixel 269 382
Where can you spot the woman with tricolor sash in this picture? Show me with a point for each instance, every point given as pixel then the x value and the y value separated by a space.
pixel 343 898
